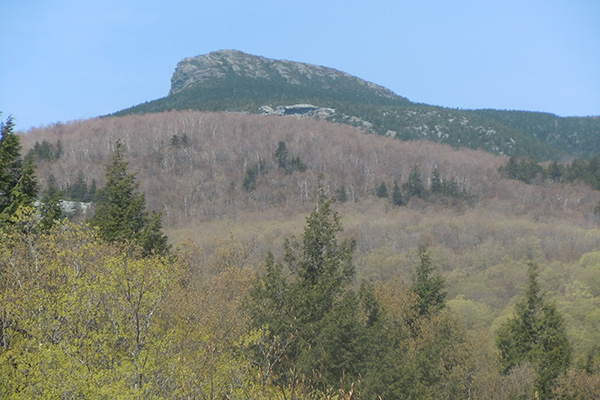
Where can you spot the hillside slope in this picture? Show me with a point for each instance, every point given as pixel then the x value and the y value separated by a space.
pixel 230 80
pixel 481 243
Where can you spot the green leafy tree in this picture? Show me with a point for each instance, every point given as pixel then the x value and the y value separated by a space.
pixel 535 335
pixel 18 186
pixel 121 214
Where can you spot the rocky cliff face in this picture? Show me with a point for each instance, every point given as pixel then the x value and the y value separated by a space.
pixel 228 63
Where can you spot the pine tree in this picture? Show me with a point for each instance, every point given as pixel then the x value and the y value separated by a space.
pixel 427 285
pixel 397 198
pixel 414 185
pixel 121 214
pixel 18 186
pixel 306 302
pixel 281 154
pixel 536 334
pixel 382 190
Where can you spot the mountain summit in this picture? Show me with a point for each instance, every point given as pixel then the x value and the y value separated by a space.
pixel 225 63
pixel 231 80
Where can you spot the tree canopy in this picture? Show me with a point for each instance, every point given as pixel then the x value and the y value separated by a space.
pixel 121 214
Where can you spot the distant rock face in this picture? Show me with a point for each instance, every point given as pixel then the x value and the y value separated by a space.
pixel 299 110
pixel 224 63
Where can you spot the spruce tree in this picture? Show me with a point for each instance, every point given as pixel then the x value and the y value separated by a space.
pixel 536 334
pixel 121 214
pixel 382 190
pixel 18 186
pixel 436 182
pixel 397 198
pixel 307 305
pixel 428 285
pixel 414 185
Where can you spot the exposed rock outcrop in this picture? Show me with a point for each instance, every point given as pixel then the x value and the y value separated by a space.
pixel 225 63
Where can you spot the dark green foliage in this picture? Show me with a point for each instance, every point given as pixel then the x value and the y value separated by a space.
pixel 306 302
pixel 252 174
pixel 78 191
pixel 524 170
pixel 414 185
pixel 121 215
pixel 554 172
pixel 436 182
pixel 18 186
pixel 51 210
pixel 297 165
pixel 287 164
pixel 44 151
pixel 397 198
pixel 578 170
pixel 341 195
pixel 536 334
pixel 382 191
pixel 428 285
pixel 281 154
pixel 180 140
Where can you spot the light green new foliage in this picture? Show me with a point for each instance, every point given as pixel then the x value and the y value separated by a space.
pixel 79 319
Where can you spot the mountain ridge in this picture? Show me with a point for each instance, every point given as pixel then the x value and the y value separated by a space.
pixel 234 81
pixel 193 70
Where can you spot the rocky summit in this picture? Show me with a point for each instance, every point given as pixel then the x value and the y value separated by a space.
pixel 225 63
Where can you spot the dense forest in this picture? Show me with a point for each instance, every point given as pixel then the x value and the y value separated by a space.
pixel 304 260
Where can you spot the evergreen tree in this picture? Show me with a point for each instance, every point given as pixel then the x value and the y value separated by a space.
pixel 427 285
pixel 341 195
pixel 51 210
pixel 121 214
pixel 382 191
pixel 414 185
pixel 397 198
pixel 281 154
pixel 554 172
pixel 297 165
pixel 79 190
pixel 307 304
pixel 536 335
pixel 18 185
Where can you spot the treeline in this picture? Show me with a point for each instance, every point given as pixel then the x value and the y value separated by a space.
pixel 529 171
pixel 415 186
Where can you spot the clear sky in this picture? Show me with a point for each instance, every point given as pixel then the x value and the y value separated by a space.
pixel 64 60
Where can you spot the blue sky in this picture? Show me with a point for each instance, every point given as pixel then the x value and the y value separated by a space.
pixel 63 60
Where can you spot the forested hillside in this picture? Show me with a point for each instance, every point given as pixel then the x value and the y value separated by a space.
pixel 230 80
pixel 427 246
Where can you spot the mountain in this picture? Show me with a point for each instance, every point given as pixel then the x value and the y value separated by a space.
pixel 231 80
